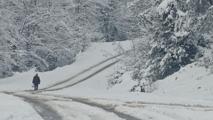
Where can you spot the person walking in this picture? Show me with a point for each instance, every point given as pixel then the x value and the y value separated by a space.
pixel 36 82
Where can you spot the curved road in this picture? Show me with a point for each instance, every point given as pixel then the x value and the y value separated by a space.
pixel 48 113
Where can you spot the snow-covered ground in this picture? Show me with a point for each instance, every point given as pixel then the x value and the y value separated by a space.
pixel 186 95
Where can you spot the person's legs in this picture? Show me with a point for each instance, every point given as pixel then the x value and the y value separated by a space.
pixel 35 87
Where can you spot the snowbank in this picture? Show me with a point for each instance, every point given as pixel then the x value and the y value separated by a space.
pixel 192 81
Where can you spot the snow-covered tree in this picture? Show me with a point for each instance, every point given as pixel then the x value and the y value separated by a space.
pixel 174 31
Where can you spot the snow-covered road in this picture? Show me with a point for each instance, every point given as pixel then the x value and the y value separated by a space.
pixel 58 107
pixel 82 76
pixel 87 96
pixel 46 111
pixel 52 107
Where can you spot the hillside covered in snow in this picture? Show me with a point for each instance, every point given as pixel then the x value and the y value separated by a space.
pixel 46 34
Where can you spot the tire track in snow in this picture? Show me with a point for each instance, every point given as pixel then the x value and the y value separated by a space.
pixel 167 115
pixel 85 78
pixel 82 72
pixel 93 104
pixel 47 113
pixel 109 109
pixel 171 105
pixel 44 110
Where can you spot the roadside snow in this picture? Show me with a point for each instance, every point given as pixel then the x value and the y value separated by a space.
pixel 192 81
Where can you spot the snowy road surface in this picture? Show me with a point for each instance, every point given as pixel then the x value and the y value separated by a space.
pixel 51 107
pixel 58 107
pixel 44 110
pixel 13 108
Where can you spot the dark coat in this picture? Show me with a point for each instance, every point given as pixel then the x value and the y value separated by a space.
pixel 36 80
